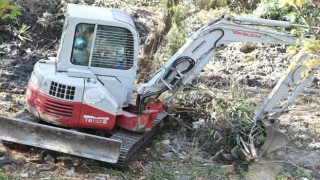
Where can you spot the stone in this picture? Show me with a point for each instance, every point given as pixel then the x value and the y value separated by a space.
pixel 19 161
pixel 176 144
pixel 280 154
pixel 315 174
pixel 5 159
pixel 260 171
pixel 45 167
pixel 67 162
pixel 198 124
pixel 292 130
pixel 182 156
pixel 136 166
pixel 148 167
pixel 5 96
pixel 165 142
pixel 70 173
pixel 49 158
pixel 9 168
pixel 298 144
pixel 167 155
pixel 228 157
pixel 102 176
pixel 39 155
pixel 24 175
pixel 314 146
pixel 227 168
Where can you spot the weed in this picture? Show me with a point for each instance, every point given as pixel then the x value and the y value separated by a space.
pixel 3 177
pixel 8 11
pixel 161 172
pixel 116 173
pixel 293 173
pixel 22 33
pixel 226 119
pixel 250 58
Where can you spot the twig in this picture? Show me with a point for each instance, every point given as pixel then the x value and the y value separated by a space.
pixel 178 120
pixel 48 45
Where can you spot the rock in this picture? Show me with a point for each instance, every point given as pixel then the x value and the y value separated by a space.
pixel 167 155
pixel 248 47
pixel 24 175
pixel 260 171
pixel 39 155
pixel 227 168
pixel 5 96
pixel 165 142
pixel 298 144
pixel 103 177
pixel 176 144
pixel 136 166
pixel 70 173
pixel 19 161
pixel 198 124
pixel 5 159
pixel 182 156
pixel 228 157
pixel 316 174
pixel 302 178
pixel 45 167
pixel 49 158
pixel 37 161
pixel 148 167
pixel 280 154
pixel 292 131
pixel 67 162
pixel 166 136
pixel 314 146
pixel 9 168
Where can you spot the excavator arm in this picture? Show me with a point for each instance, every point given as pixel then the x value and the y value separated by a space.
pixel 201 47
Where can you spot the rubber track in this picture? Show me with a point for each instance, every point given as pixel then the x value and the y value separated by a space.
pixel 132 141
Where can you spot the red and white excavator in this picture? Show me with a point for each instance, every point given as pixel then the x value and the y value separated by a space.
pixel 89 85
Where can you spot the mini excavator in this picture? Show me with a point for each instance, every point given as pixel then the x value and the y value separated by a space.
pixel 89 84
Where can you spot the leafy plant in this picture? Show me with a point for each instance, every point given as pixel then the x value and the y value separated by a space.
pixel 22 33
pixel 3 177
pixel 308 46
pixel 8 11
pixel 160 172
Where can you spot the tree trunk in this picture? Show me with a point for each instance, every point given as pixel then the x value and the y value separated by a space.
pixel 154 41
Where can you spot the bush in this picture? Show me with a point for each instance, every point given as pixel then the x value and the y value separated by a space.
pixel 277 10
pixel 8 11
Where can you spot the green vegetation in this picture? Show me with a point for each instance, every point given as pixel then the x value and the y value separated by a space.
pixel 115 172
pixel 3 177
pixel 8 11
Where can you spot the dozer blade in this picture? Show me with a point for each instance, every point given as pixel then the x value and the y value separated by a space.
pixel 58 139
pixel 274 140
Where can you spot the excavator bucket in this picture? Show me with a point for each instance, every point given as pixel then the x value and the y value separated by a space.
pixel 274 140
pixel 58 139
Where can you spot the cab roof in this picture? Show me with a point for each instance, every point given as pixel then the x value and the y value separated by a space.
pixel 98 13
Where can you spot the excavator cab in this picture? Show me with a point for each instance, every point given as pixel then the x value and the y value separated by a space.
pixel 92 77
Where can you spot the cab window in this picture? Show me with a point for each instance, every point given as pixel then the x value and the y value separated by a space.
pixel 82 44
pixel 113 48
